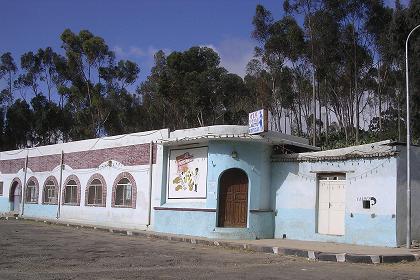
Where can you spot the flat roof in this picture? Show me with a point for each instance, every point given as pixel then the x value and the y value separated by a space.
pixel 232 133
pixel 376 149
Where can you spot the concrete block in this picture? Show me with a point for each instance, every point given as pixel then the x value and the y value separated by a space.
pixel 354 258
pixel 330 257
pixel 398 258
pixel 294 252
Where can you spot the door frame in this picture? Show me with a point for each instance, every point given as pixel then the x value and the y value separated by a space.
pixel 334 177
pixel 15 183
pixel 218 198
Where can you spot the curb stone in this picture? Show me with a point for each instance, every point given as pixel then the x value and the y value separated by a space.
pixel 398 258
pixel 329 257
pixel 311 255
pixel 355 258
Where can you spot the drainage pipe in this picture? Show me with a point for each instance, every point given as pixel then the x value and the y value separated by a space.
pixel 59 186
pixel 23 188
pixel 150 182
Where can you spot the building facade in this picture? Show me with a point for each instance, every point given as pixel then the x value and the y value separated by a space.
pixel 217 182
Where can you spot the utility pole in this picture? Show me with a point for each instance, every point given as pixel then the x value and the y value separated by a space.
pixel 408 241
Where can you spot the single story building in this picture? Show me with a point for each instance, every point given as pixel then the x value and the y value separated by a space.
pixel 218 182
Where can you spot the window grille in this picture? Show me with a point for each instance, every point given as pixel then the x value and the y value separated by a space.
pixel 123 193
pixel 31 196
pixel 50 193
pixel 95 193
pixel 71 193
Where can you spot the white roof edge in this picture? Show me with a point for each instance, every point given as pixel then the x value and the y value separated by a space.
pixel 89 144
pixel 371 149
pixel 232 133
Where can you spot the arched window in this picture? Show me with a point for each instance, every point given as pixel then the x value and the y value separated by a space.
pixel 31 192
pixel 124 192
pixel 95 196
pixel 95 193
pixel 50 195
pixel 71 195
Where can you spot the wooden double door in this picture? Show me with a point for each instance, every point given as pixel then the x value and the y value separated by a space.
pixel 233 199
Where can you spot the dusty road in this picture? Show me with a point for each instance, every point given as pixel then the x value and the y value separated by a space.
pixel 30 250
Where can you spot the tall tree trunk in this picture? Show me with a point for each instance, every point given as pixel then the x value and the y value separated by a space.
pixel 319 112
pixel 399 115
pixel 355 85
pixel 314 108
pixel 326 113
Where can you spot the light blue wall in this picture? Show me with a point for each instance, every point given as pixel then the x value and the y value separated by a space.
pixel 4 204
pixel 362 229
pixel 402 194
pixel 40 211
pixel 294 192
pixel 254 160
pixel 185 222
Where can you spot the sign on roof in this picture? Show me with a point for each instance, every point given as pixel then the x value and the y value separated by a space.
pixel 258 121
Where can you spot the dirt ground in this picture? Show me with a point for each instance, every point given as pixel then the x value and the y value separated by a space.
pixel 31 250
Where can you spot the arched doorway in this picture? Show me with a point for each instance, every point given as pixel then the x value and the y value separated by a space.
pixel 233 198
pixel 15 196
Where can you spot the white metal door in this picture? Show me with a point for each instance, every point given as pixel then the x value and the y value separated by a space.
pixel 323 206
pixel 331 207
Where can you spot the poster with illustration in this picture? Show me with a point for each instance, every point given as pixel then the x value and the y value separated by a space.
pixel 188 173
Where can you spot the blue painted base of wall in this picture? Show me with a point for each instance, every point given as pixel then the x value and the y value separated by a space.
pixel 185 222
pixel 362 229
pixel 40 211
pixel 204 224
pixel 262 224
pixel 4 204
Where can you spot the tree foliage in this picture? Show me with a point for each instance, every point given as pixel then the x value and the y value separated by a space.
pixel 329 70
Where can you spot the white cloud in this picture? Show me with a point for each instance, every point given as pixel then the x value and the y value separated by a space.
pixel 129 52
pixel 235 53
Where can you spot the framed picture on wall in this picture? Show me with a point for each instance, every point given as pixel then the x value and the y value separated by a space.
pixel 187 173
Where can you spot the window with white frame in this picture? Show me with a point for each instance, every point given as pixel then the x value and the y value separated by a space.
pixel 31 196
pixel 50 193
pixel 95 193
pixel 70 196
pixel 123 193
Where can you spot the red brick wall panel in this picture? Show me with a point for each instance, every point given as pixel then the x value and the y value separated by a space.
pixel 11 166
pixel 127 155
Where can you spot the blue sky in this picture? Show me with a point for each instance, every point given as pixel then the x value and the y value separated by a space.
pixel 135 30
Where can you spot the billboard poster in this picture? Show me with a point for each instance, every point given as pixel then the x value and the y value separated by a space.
pixel 187 173
pixel 258 122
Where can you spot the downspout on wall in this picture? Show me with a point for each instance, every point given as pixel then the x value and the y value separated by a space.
pixel 59 186
pixel 24 185
pixel 149 218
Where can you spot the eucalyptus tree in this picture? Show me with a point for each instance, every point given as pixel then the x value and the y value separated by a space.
pixel 308 9
pixel 18 130
pixel 85 54
pixel 190 88
pixel 8 69
pixel 122 107
pixel 281 42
